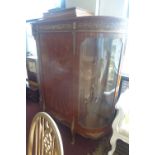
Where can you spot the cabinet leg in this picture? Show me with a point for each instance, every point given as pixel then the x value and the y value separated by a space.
pixel 72 133
pixel 73 138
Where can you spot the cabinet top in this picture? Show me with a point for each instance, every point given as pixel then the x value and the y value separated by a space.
pixel 85 23
pixel 51 20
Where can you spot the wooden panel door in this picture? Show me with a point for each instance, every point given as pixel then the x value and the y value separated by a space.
pixel 57 73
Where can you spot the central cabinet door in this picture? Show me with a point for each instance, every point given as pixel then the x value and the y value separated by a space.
pixel 57 73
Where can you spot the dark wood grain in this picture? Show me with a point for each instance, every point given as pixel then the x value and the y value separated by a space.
pixel 57 64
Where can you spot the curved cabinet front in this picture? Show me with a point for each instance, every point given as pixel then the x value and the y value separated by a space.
pixel 99 62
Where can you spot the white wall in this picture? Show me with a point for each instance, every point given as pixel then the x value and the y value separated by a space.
pixel 115 8
pixel 36 8
pixel 85 4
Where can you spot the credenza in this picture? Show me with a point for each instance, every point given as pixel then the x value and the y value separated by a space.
pixel 79 70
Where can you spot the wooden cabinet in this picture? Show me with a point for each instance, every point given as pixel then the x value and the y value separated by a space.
pixel 79 69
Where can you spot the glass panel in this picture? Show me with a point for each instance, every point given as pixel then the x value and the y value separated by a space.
pixel 113 69
pixel 99 65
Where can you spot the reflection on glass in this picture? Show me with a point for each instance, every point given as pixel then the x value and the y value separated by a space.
pixel 99 65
